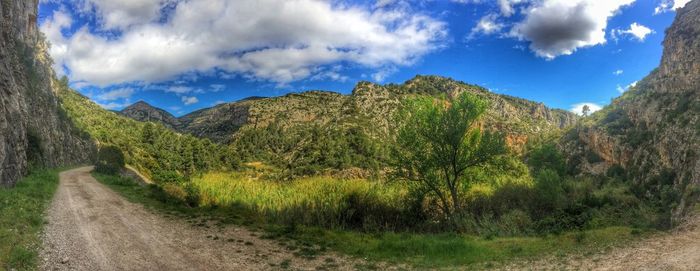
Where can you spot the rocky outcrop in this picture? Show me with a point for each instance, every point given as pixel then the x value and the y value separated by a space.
pixel 370 106
pixel 652 130
pixel 34 129
pixel 143 111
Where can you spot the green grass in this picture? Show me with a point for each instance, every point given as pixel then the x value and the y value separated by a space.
pixel 455 250
pixel 22 219
pixel 447 250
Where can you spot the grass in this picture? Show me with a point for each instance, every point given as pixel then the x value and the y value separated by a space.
pixel 321 201
pixel 451 250
pixel 22 219
pixel 446 250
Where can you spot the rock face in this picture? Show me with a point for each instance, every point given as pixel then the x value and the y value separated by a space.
pixel 370 106
pixel 652 130
pixel 143 111
pixel 34 129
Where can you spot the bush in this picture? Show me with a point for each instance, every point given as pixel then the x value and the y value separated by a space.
pixel 110 160
pixel 549 190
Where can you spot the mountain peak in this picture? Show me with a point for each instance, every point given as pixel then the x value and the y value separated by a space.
pixel 143 111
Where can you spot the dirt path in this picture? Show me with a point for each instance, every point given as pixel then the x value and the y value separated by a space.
pixel 90 227
pixel 675 250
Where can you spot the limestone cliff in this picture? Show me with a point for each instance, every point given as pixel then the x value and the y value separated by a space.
pixel 34 129
pixel 370 106
pixel 652 130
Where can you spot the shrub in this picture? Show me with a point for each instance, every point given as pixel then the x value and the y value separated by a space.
pixel 549 190
pixel 110 160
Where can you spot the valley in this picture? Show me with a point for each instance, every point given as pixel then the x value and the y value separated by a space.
pixel 428 173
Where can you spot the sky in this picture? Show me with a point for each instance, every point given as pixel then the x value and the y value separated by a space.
pixel 186 55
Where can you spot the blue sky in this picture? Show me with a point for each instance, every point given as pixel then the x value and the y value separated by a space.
pixel 186 55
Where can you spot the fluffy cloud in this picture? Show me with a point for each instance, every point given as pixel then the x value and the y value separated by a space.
pixel 507 6
pixel 560 27
pixel 121 93
pixel 487 25
pixel 578 108
pixel 618 72
pixel 59 47
pixel 124 13
pixel 189 100
pixel 670 5
pixel 272 40
pixel 636 31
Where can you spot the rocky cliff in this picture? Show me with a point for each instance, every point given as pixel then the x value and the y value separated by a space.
pixel 653 130
pixel 34 129
pixel 370 106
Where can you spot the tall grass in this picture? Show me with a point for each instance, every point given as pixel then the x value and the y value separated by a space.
pixel 319 201
pixel 22 218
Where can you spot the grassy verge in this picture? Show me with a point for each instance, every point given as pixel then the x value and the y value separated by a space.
pixel 22 219
pixel 418 250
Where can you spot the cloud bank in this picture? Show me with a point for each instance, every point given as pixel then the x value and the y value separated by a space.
pixel 273 40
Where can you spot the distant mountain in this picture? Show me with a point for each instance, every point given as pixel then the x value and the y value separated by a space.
pixel 143 111
pixel 370 106
pixel 652 131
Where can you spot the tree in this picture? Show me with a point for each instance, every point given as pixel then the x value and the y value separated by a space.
pixel 586 110
pixel 439 142
pixel 110 160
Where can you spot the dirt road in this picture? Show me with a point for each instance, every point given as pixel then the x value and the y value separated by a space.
pixel 90 227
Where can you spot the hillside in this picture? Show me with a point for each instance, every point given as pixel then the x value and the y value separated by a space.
pixel 652 131
pixel 34 129
pixel 368 104
pixel 155 150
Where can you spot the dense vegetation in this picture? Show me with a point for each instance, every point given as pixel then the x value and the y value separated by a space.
pixel 440 170
pixel 158 152
pixel 22 211
pixel 110 160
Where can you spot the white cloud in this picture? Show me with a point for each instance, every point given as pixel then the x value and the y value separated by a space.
pixel 187 100
pixel 636 31
pixel 618 72
pixel 59 47
pixel 578 108
pixel 123 13
pixel 179 89
pixel 560 27
pixel 113 105
pixel 382 74
pixel 670 5
pixel 626 88
pixel 507 6
pixel 121 93
pixel 272 40
pixel 217 87
pixel 487 25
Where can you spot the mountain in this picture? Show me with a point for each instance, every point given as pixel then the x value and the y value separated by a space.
pixel 652 131
pixel 143 111
pixel 34 128
pixel 370 106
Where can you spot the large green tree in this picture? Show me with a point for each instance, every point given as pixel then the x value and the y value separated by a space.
pixel 439 141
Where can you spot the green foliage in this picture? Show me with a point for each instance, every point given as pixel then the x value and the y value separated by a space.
pixel 438 144
pixel 547 157
pixel 309 150
pixel 22 211
pixel 420 250
pixel 153 149
pixel 110 160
